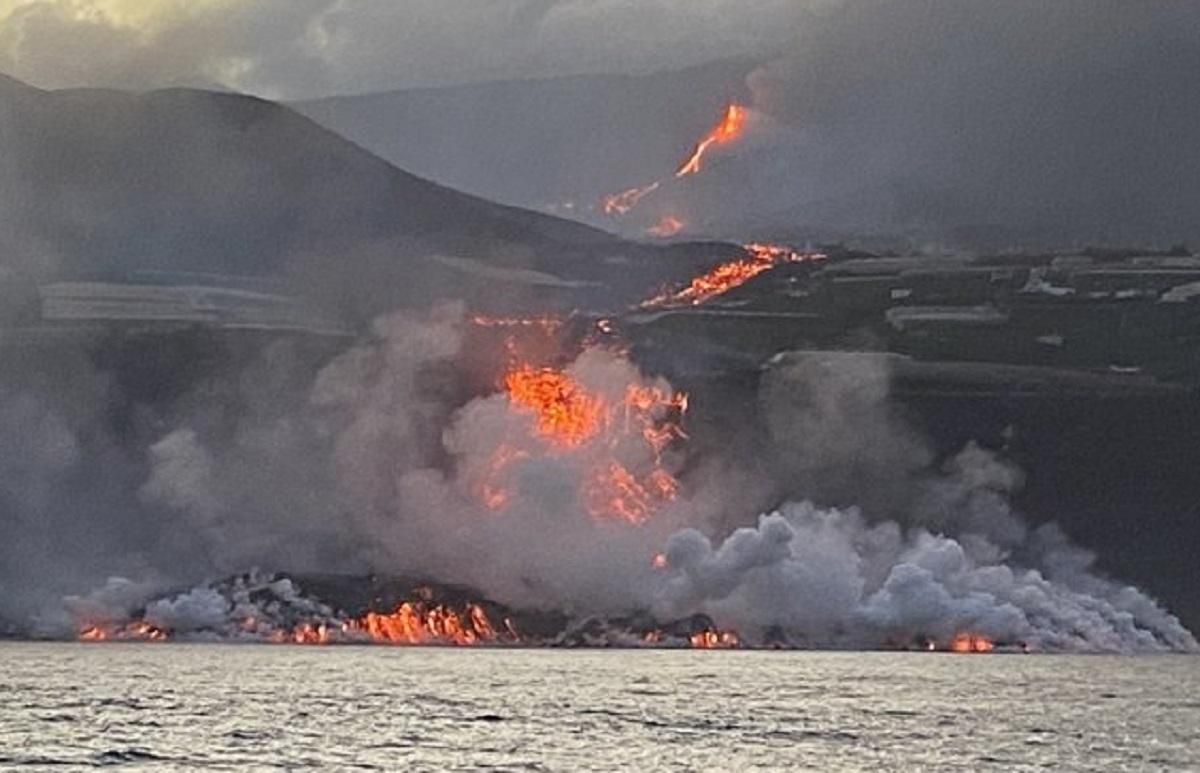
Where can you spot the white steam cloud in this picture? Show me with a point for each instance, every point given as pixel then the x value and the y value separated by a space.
pixel 377 468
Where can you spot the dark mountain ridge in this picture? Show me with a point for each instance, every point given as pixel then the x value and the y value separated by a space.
pixel 108 184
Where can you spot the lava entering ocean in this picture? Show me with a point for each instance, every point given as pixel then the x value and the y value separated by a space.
pixel 561 484
pixel 968 642
pixel 269 610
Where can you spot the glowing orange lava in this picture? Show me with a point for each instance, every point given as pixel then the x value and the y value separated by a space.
pixel 416 622
pixel 710 639
pixel 729 129
pixel 666 227
pixel 624 202
pixel 567 414
pixel 136 630
pixel 571 419
pixel 969 642
pixel 309 633
pixel 727 276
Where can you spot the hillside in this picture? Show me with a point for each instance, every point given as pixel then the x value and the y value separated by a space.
pixel 541 142
pixel 914 135
pixel 105 184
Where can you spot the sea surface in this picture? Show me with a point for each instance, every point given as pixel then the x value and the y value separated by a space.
pixel 228 707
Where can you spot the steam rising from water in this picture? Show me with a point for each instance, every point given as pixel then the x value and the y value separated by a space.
pixel 829 578
pixel 376 468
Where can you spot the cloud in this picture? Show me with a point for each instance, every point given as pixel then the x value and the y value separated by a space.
pixel 305 48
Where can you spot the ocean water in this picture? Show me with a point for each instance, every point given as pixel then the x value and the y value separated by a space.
pixel 225 707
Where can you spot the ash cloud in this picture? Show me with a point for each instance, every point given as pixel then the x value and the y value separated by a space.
pixel 993 123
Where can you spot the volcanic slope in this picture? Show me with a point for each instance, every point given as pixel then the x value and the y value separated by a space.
pixel 550 142
pixel 108 184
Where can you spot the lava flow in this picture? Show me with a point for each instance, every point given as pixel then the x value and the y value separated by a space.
pixel 727 276
pixel 667 227
pixel 729 129
pixel 136 630
pixel 415 622
pixel 567 414
pixel 710 639
pixel 623 203
pixel 595 431
pixel 968 642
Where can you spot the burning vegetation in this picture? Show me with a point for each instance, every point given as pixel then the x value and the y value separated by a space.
pixel 710 639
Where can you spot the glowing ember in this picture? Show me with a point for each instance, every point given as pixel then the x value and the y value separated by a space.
pixel 968 642
pixel 710 639
pixel 727 276
pixel 667 227
pixel 729 129
pixel 623 203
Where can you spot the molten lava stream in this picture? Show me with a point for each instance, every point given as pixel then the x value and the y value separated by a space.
pixel 624 202
pixel 729 129
pixel 715 640
pixel 572 421
pixel 133 631
pixel 973 643
pixel 415 623
pixel 727 276
pixel 567 414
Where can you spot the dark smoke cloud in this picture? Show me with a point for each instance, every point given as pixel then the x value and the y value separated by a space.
pixel 1018 121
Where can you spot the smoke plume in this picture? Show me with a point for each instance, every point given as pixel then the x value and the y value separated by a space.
pixel 382 463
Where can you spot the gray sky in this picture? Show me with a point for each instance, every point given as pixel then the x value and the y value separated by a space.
pixel 305 48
